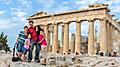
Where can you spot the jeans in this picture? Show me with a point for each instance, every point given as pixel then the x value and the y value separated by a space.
pixel 37 52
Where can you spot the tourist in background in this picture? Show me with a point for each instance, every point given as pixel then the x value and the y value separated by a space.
pixel 114 54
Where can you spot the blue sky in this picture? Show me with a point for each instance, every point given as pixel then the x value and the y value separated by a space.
pixel 13 13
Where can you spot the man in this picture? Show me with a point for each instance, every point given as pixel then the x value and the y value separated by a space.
pixel 20 41
pixel 32 30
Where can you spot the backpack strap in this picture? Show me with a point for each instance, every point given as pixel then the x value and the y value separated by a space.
pixel 14 49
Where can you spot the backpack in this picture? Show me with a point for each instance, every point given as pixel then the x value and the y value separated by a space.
pixel 15 59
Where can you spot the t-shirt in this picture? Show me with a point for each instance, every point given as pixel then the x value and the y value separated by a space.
pixel 27 46
pixel 32 30
pixel 44 42
pixel 22 37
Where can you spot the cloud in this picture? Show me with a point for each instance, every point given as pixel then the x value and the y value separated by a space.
pixel 81 3
pixel 6 1
pixel 60 9
pixel 46 3
pixel 65 3
pixel 25 4
pixel 19 14
pixel 7 24
pixel 2 12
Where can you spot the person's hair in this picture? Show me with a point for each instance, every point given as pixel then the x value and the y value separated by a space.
pixel 25 27
pixel 69 50
pixel 29 34
pixel 57 51
pixel 39 29
pixel 31 21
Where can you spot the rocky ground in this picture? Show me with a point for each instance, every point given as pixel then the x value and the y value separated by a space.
pixel 57 60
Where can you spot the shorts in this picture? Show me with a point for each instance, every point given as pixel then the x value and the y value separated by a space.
pixel 25 51
pixel 20 47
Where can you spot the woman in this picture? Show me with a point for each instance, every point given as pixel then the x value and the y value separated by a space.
pixel 42 41
pixel 38 46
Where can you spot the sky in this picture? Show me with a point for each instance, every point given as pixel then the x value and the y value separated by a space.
pixel 13 13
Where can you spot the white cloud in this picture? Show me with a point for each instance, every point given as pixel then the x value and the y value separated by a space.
pixel 2 12
pixel 116 9
pixel 78 2
pixel 6 1
pixel 25 4
pixel 46 3
pixel 60 9
pixel 18 14
pixel 116 1
pixel 66 3
pixel 7 24
pixel 81 3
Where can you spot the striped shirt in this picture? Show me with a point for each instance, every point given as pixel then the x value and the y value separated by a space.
pixel 22 37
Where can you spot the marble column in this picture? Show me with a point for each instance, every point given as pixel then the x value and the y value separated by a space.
pixel 103 35
pixel 91 38
pixel 59 47
pixel 62 37
pixel 47 34
pixel 51 37
pixel 66 38
pixel 78 37
pixel 110 38
pixel 55 39
pixel 72 43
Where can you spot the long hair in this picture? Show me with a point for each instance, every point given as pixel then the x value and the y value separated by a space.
pixel 39 29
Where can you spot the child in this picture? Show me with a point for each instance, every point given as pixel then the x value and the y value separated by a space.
pixel 43 43
pixel 27 42
pixel 26 47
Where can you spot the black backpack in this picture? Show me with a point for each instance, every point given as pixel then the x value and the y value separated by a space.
pixel 15 59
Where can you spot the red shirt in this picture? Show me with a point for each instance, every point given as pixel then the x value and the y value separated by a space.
pixel 32 30
pixel 44 41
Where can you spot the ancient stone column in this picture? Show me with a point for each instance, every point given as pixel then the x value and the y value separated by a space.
pixel 55 39
pixel 103 35
pixel 72 43
pixel 108 37
pixel 59 47
pixel 62 37
pixel 78 37
pixel 51 37
pixel 91 38
pixel 47 34
pixel 66 38
pixel 111 38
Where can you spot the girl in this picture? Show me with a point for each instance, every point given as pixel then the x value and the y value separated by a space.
pixel 26 47
pixel 42 41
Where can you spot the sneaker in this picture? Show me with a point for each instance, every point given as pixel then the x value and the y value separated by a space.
pixel 29 61
pixel 37 61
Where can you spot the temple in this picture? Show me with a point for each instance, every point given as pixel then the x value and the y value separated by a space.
pixel 109 28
